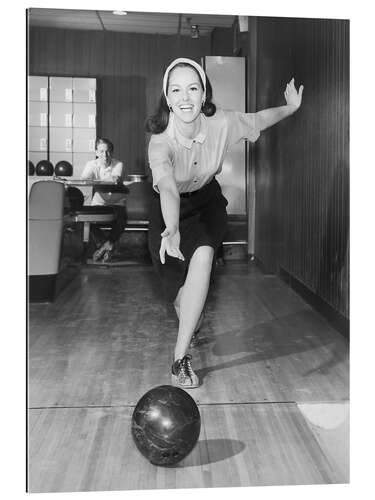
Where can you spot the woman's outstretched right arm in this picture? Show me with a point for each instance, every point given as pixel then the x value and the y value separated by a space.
pixel 170 207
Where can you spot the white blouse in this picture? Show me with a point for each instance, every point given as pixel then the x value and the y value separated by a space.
pixel 194 162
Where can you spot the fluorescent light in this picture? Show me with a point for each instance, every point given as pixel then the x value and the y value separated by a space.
pixel 119 13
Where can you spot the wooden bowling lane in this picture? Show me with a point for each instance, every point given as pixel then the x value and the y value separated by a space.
pixel 108 339
pixel 89 449
pixel 273 402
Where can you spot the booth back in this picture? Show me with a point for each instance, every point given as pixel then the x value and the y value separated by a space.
pixel 46 217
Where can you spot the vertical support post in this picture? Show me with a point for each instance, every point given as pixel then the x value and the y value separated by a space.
pixel 86 232
pixel 252 101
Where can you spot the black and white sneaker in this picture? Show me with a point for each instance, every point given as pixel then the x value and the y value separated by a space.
pixel 183 374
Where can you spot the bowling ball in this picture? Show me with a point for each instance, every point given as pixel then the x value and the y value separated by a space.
pixel 165 425
pixel 63 169
pixel 44 167
pixel 31 168
pixel 75 198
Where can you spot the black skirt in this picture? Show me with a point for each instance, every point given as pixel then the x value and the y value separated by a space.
pixel 203 221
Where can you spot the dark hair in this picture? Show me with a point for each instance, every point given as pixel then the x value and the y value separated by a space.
pixel 103 140
pixel 158 122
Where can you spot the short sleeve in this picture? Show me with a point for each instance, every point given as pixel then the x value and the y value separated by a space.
pixel 118 170
pixel 242 126
pixel 160 159
pixel 88 171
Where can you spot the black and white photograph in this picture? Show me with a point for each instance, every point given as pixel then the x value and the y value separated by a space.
pixel 187 249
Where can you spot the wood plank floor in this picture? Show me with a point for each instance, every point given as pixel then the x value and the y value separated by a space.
pixel 266 360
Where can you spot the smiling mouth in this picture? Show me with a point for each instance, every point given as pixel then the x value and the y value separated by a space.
pixel 187 107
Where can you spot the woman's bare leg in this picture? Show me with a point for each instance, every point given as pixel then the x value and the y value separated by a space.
pixel 177 302
pixel 177 309
pixel 191 297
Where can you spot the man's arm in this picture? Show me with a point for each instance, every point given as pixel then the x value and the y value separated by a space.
pixel 118 173
pixel 88 171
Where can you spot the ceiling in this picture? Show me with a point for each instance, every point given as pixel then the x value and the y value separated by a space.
pixel 133 22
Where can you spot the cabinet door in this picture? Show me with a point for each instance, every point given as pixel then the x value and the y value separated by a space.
pixel 38 88
pixel 84 115
pixel 61 89
pixel 61 114
pixel 61 139
pixel 84 90
pixel 38 139
pixel 37 114
pixel 84 140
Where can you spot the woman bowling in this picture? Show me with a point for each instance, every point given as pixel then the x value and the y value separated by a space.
pixel 188 219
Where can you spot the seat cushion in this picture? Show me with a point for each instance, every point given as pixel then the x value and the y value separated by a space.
pixel 94 213
pixel 94 209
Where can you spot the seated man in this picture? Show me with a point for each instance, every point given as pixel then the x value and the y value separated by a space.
pixel 107 168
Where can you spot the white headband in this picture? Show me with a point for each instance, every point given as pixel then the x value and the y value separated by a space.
pixel 197 66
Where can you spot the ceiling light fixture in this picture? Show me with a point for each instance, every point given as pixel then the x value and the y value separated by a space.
pixel 119 13
pixel 194 31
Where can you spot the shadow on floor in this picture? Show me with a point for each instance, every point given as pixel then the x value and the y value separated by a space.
pixel 292 334
pixel 209 451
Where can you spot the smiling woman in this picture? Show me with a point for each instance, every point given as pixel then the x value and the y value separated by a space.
pixel 185 98
pixel 158 122
pixel 189 218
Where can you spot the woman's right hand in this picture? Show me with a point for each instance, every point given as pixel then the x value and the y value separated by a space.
pixel 170 243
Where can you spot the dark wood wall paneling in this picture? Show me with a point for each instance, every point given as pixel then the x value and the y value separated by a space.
pixel 129 68
pixel 302 164
pixel 302 186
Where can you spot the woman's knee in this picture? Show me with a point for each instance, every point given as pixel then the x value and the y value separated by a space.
pixel 203 255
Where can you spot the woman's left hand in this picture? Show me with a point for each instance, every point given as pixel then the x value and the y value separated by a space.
pixel 292 97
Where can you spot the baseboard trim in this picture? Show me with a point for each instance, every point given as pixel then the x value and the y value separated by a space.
pixel 46 287
pixel 334 317
pixel 42 288
pixel 260 264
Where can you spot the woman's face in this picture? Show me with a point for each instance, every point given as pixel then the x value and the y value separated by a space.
pixel 103 153
pixel 185 94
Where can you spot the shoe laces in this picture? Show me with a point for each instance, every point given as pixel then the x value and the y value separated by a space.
pixel 184 369
pixel 186 363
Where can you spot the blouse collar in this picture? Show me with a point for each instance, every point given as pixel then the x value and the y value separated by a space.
pixel 184 141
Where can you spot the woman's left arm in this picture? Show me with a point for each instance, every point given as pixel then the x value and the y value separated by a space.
pixel 268 117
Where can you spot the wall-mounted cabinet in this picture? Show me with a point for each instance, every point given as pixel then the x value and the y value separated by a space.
pixel 62 120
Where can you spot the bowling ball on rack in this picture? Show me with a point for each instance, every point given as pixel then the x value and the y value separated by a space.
pixel 31 168
pixel 63 169
pixel 165 425
pixel 44 167
pixel 74 198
